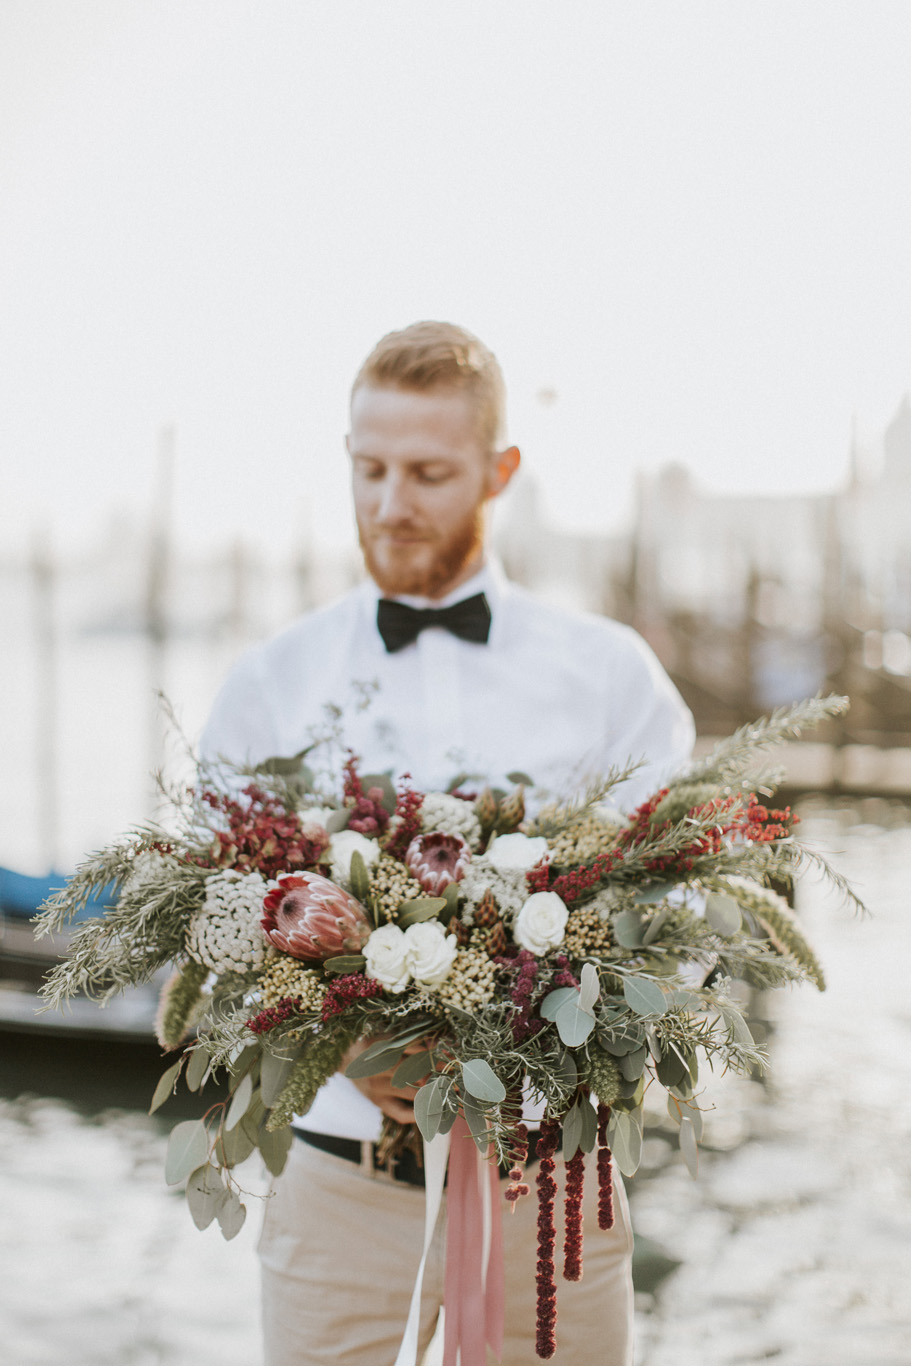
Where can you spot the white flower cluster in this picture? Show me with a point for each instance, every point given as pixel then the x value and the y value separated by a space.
pixel 342 846
pixel 452 815
pixel 226 935
pixel 501 871
pixel 423 953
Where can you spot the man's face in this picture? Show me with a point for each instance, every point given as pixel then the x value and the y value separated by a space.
pixel 420 478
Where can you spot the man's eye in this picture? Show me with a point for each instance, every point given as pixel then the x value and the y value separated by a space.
pixel 433 476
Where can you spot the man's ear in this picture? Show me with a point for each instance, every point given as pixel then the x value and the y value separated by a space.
pixel 503 466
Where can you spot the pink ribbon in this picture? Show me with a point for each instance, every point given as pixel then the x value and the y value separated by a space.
pixel 473 1293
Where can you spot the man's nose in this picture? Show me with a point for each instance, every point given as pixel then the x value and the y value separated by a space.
pixel 394 501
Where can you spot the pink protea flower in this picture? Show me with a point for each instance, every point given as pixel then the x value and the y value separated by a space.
pixel 437 859
pixel 309 917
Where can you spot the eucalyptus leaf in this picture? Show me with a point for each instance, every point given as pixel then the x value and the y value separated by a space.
pixel 244 1061
pixel 723 914
pixel 275 1146
pixel 429 1106
pixel 451 897
pixel 379 1057
pixel 476 1119
pixel 650 896
pixel 695 1117
pixel 239 1101
pixel 338 821
pixel 580 1128
pixel 450 1115
pixel 574 1025
pixel 165 1085
pixel 230 1215
pixel 625 1140
pixel 413 1068
pixel 590 986
pixel 572 1131
pixel 188 1148
pixel 617 1042
pixel 589 1125
pixel 689 1147
pixel 520 779
pixel 197 1068
pixel 358 876
pixel 737 1025
pixel 656 925
pixel 204 1191
pixel 273 1075
pixel 679 998
pixel 235 1145
pixel 344 963
pixel 632 1064
pixel 555 999
pixel 631 1093
pixel 419 909
pixel 644 997
pixel 482 1082
pixel 565 1068
pixel 628 930
pixel 672 1068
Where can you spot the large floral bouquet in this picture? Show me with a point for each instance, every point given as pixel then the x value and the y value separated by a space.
pixel 570 959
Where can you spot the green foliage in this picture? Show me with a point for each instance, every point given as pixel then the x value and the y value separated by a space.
pixel 319 1058
pixel 179 998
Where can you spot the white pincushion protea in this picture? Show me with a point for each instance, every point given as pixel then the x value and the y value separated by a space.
pixel 452 815
pixel 226 935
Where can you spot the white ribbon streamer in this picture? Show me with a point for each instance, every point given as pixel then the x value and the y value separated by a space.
pixel 436 1158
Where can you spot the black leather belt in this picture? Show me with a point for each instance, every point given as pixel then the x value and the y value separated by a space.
pixel 405 1168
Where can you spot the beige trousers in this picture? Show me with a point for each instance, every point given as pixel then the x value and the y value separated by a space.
pixel 340 1249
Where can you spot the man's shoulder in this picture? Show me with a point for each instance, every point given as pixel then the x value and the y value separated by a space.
pixel 570 627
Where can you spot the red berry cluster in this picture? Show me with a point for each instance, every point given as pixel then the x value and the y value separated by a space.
pixel 563 977
pixel 274 1015
pixel 761 824
pixel 525 967
pixel 572 1211
pixel 408 818
pixel 262 835
pixel 518 1157
pixel 545 1278
pixel 605 1174
pixel 572 885
pixel 368 815
pixel 340 993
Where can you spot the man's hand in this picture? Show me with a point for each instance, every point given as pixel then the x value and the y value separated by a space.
pixel 395 1101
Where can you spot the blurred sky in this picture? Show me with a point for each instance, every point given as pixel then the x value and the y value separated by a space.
pixel 689 220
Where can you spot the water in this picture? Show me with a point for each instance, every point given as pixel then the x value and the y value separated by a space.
pixel 792 1246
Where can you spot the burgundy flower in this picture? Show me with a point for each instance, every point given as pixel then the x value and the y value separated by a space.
pixel 309 917
pixel 436 859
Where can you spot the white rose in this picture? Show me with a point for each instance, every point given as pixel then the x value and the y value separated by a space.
pixel 430 952
pixel 343 845
pixel 508 852
pixel 541 923
pixel 386 952
pixel 315 815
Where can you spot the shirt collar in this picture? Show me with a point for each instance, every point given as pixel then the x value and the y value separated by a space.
pixel 489 580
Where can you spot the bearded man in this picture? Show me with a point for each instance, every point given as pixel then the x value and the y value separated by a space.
pixel 472 674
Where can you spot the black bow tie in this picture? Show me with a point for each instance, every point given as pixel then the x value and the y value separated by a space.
pixel 399 624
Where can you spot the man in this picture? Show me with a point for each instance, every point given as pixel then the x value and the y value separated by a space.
pixel 504 683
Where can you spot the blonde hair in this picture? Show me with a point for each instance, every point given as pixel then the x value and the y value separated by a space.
pixel 435 355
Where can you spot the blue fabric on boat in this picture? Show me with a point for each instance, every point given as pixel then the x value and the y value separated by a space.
pixel 22 895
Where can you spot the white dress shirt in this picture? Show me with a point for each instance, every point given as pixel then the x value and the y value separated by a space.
pixel 559 695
